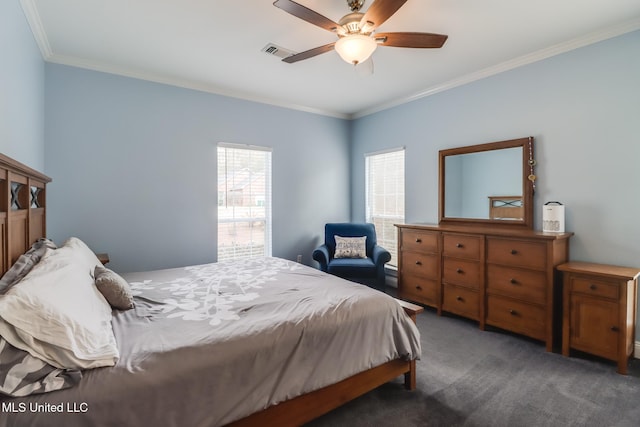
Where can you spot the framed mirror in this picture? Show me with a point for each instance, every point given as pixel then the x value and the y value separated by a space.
pixel 488 184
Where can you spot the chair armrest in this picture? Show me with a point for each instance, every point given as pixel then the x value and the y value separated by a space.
pixel 380 255
pixel 321 254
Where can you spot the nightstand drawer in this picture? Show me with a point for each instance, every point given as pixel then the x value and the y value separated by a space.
pixel 517 283
pixel 461 246
pixel 461 272
pixel 516 316
pixel 418 264
pixel 462 301
pixel 420 241
pixel 595 287
pixel 517 253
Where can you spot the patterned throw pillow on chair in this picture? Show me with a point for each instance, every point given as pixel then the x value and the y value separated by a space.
pixel 350 247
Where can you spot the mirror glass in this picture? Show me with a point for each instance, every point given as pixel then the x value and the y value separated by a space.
pixel 472 178
pixel 487 183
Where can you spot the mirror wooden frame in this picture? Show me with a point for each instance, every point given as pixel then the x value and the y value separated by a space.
pixel 527 184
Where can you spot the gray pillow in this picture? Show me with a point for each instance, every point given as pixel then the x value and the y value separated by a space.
pixel 113 288
pixel 24 264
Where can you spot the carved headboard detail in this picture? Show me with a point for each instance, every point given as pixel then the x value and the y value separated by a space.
pixel 506 207
pixel 22 209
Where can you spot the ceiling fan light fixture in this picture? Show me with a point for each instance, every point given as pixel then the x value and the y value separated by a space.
pixel 355 48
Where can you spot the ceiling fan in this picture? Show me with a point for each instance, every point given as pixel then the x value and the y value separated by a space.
pixel 357 39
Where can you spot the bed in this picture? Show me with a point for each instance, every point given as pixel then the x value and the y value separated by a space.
pixel 506 207
pixel 255 342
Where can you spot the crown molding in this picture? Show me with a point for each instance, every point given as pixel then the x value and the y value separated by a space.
pixel 539 55
pixel 185 83
pixel 33 18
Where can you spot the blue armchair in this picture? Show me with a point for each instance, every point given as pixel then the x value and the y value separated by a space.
pixel 368 270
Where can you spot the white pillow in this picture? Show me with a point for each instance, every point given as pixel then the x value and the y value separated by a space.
pixel 350 247
pixel 82 252
pixel 56 313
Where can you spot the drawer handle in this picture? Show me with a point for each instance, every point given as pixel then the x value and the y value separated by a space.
pixel 615 328
pixel 459 245
pixel 459 298
pixel 513 312
pixel 418 262
pixel 513 252
pixel 418 240
pixel 459 271
pixel 593 287
pixel 513 281
pixel 419 288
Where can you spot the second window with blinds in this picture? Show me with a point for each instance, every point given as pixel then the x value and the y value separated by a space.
pixel 244 201
pixel 385 197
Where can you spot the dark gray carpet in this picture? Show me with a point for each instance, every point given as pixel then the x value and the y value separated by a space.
pixel 468 377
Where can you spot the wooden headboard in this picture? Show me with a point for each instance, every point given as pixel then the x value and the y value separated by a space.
pixel 22 209
pixel 506 207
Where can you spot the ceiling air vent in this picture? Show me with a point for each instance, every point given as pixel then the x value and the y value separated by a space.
pixel 275 50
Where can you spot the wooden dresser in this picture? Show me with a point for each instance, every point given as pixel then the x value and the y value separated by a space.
pixel 498 276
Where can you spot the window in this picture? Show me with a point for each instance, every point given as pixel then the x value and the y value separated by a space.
pixel 385 197
pixel 244 201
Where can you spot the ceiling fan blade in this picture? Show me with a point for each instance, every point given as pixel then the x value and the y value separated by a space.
pixel 309 53
pixel 306 14
pixel 380 11
pixel 416 40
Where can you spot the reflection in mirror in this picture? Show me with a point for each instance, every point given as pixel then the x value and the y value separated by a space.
pixel 488 184
pixel 506 207
pixel 473 179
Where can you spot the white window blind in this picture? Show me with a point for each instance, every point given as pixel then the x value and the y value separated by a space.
pixel 244 201
pixel 385 197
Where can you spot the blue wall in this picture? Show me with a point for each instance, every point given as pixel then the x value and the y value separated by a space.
pixel 582 108
pixel 134 168
pixel 148 151
pixel 21 89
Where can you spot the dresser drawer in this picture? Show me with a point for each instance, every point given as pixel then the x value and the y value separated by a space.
pixel 422 241
pixel 517 283
pixel 516 316
pixel 462 301
pixel 461 272
pixel 418 264
pixel 461 246
pixel 517 253
pixel 419 289
pixel 595 287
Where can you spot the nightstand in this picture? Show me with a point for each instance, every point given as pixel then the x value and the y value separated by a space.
pixel 599 310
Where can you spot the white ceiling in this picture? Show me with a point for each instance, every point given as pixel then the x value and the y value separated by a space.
pixel 215 45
